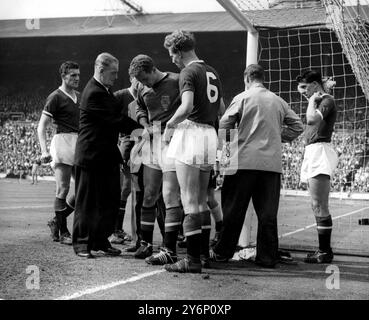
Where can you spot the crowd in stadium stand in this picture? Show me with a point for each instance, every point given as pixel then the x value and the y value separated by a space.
pixel 29 105
pixel 350 174
pixel 19 148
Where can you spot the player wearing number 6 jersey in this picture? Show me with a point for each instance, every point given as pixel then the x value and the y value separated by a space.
pixel 193 144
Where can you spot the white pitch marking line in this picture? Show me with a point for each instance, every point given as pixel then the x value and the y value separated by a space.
pixel 314 225
pixel 25 207
pixel 109 286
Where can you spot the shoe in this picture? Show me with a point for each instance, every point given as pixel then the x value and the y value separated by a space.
pixel 134 248
pixel 54 229
pixel 182 244
pixel 214 241
pixel 85 254
pixel 217 257
pixel 205 262
pixel 184 266
pixel 247 253
pixel 144 251
pixel 319 257
pixel 123 235
pixel 66 238
pixel 285 257
pixel 114 238
pixel 165 256
pixel 283 253
pixel 111 251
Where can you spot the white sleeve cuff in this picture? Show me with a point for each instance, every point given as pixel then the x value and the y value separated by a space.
pixel 47 113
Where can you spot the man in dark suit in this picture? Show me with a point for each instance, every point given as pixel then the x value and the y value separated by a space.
pixel 97 161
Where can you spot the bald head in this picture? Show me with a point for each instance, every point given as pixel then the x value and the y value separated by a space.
pixel 106 69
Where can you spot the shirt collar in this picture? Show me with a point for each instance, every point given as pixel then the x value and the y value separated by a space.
pixel 74 99
pixel 107 89
pixel 195 61
pixel 257 85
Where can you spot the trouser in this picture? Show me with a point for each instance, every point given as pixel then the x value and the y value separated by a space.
pixel 138 188
pixel 263 187
pixel 125 179
pixel 97 206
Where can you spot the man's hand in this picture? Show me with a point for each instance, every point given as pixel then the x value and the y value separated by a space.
pixel 148 133
pixel 125 166
pixel 168 133
pixel 316 97
pixel 46 157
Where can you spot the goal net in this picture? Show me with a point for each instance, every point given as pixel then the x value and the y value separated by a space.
pixel 338 47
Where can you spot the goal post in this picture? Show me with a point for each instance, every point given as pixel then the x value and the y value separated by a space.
pixel 252 33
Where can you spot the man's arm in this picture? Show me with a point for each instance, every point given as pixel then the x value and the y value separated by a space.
pixel 181 114
pixel 183 110
pixel 221 108
pixel 313 116
pixel 45 120
pixel 232 115
pixel 142 116
pixel 293 126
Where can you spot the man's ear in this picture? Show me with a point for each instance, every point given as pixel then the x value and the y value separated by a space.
pixel 246 80
pixel 316 84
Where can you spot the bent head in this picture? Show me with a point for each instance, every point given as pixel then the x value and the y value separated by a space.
pixel 69 72
pixel 143 69
pixel 106 69
pixel 309 82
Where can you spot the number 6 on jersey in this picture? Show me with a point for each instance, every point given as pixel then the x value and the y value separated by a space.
pixel 211 90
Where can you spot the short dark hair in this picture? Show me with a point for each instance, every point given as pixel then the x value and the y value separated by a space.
pixel 140 63
pixel 310 76
pixel 254 72
pixel 180 40
pixel 66 66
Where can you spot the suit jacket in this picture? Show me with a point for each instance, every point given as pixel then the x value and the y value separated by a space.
pixel 101 120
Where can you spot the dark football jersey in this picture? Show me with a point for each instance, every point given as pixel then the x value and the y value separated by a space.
pixel 64 112
pixel 204 82
pixel 322 132
pixel 160 102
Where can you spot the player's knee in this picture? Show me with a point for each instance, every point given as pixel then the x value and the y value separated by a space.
pixel 191 205
pixel 212 202
pixel 315 206
pixel 320 207
pixel 171 198
pixel 150 198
